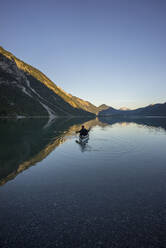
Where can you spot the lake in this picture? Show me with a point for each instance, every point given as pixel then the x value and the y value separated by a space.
pixel 109 192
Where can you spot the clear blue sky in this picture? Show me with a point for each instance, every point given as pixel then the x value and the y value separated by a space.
pixel 104 51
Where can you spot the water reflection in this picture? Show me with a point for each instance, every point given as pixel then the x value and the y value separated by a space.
pixel 83 145
pixel 110 195
pixel 25 142
pixel 150 122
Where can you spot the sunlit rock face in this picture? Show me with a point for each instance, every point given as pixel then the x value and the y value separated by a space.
pixel 25 91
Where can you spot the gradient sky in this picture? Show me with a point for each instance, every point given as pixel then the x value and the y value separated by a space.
pixel 104 51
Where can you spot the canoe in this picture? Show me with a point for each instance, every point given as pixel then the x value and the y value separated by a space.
pixel 83 138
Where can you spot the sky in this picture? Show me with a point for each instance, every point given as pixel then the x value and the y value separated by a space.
pixel 103 51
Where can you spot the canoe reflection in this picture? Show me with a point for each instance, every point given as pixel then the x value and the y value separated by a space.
pixel 82 142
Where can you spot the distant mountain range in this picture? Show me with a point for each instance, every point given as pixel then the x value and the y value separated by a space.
pixel 151 110
pixel 25 91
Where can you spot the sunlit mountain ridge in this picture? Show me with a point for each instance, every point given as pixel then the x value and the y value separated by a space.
pixel 27 91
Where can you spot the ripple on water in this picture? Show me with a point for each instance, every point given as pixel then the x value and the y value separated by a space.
pixel 116 146
pixel 100 148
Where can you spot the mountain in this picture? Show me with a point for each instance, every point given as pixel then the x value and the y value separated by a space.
pixel 124 108
pixel 110 111
pixel 153 109
pixel 25 91
pixel 103 107
pixel 158 109
pixel 85 105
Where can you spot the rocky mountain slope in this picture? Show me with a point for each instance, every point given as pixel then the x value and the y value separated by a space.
pixel 25 91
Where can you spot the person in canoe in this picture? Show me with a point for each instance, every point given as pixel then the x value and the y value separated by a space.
pixel 83 132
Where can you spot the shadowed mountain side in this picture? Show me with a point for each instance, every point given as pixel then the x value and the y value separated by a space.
pixel 24 94
pixel 27 91
pixel 25 142
pixel 158 109
pixel 149 121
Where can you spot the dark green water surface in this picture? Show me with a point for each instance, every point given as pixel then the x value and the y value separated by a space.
pixel 107 193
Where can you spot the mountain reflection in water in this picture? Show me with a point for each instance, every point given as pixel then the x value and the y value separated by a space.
pixel 25 142
pixel 151 122
pixel 28 141
pixel 109 194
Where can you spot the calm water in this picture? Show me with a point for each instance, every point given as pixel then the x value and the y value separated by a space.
pixel 107 193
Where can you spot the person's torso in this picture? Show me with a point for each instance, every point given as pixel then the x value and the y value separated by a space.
pixel 83 132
